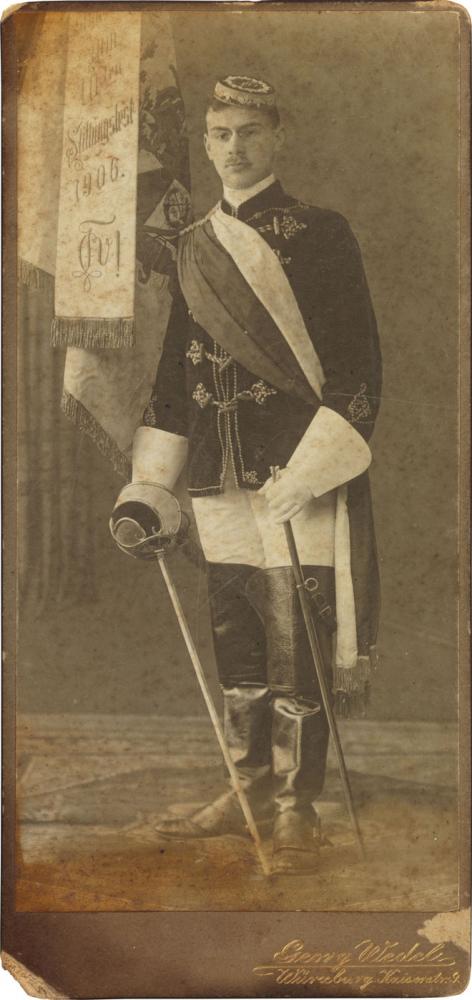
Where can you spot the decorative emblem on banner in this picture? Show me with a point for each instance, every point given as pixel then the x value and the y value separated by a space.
pixel 177 207
pixel 163 207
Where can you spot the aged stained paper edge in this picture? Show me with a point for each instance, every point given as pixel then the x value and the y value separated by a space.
pixel 33 985
pixel 44 939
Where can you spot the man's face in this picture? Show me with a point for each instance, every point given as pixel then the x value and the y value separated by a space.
pixel 241 143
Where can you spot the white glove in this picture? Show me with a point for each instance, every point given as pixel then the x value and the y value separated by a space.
pixel 287 496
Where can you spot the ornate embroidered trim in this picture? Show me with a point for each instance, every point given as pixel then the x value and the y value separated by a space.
pixel 359 407
pixel 202 396
pixel 221 417
pixel 243 99
pixel 196 352
pixel 260 391
pixel 251 477
pixel 228 417
pixel 283 260
pixel 199 222
pixel 284 209
pixel 204 489
pixel 222 360
pixel 290 226
pixel 227 397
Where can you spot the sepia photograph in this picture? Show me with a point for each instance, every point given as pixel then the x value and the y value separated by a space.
pixel 238 628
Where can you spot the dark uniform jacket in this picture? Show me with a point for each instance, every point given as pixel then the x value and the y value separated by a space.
pixel 232 418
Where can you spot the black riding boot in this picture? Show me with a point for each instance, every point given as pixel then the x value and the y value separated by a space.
pixel 300 742
pixel 300 730
pixel 247 721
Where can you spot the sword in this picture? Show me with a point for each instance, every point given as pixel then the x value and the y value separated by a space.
pixel 197 666
pixel 146 518
pixel 320 673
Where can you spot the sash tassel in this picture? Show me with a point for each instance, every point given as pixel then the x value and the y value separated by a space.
pixel 352 687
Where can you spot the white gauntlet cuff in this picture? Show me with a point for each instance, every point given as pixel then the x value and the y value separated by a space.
pixel 158 456
pixel 330 453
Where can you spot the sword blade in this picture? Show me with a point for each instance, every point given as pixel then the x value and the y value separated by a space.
pixel 196 663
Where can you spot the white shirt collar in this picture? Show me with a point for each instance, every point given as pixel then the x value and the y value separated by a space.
pixel 236 197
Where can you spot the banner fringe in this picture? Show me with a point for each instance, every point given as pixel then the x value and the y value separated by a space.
pixel 34 277
pixel 90 332
pixel 84 421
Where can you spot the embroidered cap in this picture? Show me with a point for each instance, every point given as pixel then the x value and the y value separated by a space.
pixel 245 91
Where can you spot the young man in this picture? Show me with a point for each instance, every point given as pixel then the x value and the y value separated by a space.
pixel 271 359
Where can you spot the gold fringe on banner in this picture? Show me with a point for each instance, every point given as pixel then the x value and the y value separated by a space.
pixel 34 277
pixel 85 422
pixel 91 332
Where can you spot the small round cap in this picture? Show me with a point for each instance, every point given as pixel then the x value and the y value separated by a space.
pixel 245 91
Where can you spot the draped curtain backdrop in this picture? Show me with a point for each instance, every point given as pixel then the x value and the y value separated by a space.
pixel 370 106
pixel 58 481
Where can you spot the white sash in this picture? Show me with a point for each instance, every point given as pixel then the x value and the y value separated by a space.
pixel 264 274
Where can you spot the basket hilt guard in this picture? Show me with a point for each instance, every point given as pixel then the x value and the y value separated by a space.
pixel 146 519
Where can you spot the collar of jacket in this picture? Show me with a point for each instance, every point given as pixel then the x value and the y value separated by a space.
pixel 271 197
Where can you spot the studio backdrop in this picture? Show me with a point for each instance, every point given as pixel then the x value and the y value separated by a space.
pixel 371 133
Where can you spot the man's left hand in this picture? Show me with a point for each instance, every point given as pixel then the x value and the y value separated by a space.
pixel 286 496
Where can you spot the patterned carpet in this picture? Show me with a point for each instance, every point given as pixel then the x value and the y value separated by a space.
pixel 91 788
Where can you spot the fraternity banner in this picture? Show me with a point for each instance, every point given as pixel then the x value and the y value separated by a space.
pixel 106 390
pixel 39 145
pixel 95 263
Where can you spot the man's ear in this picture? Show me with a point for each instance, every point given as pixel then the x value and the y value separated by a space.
pixel 206 143
pixel 280 138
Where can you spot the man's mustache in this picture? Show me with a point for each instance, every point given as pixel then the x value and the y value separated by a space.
pixel 237 161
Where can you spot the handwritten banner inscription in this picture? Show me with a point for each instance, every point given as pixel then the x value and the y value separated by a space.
pixel 95 264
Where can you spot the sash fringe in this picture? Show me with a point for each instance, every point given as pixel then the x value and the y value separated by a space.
pixel 352 706
pixel 85 422
pixel 34 277
pixel 351 686
pixel 91 333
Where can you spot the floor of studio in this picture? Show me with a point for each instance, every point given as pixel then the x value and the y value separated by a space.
pixel 92 787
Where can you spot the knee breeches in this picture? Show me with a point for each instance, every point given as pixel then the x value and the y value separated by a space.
pixel 258 629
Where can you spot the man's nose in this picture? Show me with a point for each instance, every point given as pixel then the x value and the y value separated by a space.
pixel 236 143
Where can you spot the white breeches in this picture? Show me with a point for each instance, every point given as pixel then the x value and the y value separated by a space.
pixel 237 527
